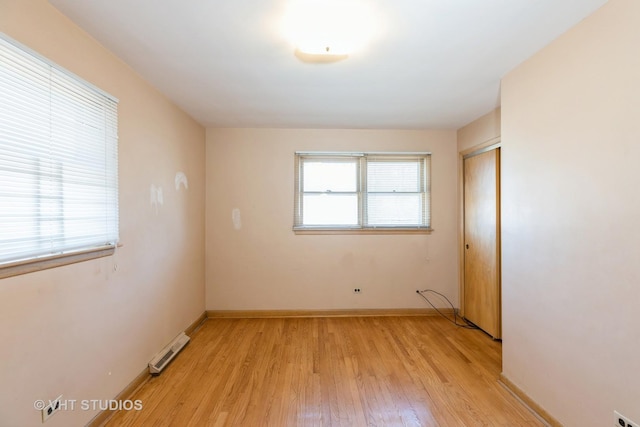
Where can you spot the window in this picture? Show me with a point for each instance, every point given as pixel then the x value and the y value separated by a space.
pixel 58 161
pixel 362 191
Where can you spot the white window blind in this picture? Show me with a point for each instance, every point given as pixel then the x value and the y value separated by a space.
pixel 362 191
pixel 58 160
pixel 396 193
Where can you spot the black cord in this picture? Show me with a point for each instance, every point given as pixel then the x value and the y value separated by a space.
pixel 465 325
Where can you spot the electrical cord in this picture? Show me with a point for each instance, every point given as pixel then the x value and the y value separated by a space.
pixel 465 325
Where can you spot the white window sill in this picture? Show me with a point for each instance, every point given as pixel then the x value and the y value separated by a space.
pixel 389 230
pixel 44 263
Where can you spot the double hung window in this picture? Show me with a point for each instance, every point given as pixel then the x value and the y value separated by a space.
pixel 362 191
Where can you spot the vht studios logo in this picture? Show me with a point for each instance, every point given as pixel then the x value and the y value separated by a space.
pixel 89 405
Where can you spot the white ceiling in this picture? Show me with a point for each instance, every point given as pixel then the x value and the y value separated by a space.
pixel 436 63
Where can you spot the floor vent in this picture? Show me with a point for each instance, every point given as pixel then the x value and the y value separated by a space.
pixel 162 359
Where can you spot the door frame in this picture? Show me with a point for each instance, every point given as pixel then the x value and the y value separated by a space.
pixel 489 145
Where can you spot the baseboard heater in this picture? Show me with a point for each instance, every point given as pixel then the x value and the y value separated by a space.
pixel 166 355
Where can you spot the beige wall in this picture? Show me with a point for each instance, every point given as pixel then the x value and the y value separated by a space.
pixel 265 266
pixel 571 277
pixel 85 330
pixel 481 130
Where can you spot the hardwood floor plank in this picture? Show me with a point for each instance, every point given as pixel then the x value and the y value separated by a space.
pixel 364 371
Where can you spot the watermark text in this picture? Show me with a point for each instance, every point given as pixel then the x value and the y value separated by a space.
pixel 89 405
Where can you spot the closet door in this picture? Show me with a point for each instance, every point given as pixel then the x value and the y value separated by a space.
pixel 482 304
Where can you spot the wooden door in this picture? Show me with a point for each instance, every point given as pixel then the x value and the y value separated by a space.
pixel 482 304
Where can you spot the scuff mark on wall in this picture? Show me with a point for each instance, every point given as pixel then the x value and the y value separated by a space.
pixel 235 218
pixel 181 178
pixel 156 197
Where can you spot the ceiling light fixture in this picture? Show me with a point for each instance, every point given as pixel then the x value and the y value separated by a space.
pixel 324 31
pixel 325 56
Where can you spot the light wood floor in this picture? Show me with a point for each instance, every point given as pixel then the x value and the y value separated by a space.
pixel 367 371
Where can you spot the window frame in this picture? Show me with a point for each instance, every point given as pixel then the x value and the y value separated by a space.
pixel 60 257
pixel 361 187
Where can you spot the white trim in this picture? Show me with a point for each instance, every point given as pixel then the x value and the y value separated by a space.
pixel 44 263
pixel 364 153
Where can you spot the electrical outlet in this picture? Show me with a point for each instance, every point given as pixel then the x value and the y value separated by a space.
pixel 51 408
pixel 357 290
pixel 622 421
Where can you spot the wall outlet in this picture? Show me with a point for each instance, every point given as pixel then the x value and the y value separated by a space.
pixel 357 290
pixel 622 421
pixel 51 408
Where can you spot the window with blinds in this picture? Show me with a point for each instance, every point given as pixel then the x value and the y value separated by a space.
pixel 362 191
pixel 58 160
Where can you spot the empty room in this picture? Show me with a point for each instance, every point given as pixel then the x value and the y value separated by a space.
pixel 319 213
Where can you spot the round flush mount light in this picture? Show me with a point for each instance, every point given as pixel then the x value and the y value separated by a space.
pixel 328 30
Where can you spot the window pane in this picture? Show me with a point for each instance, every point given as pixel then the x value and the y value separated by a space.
pixel 395 209
pixel 330 209
pixel 330 175
pixel 394 175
